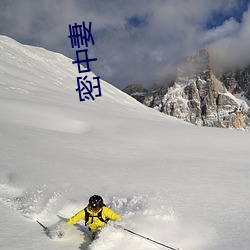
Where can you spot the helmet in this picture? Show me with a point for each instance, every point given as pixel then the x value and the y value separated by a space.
pixel 95 202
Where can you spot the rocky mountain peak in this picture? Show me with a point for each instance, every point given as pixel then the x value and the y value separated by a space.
pixel 202 97
pixel 196 64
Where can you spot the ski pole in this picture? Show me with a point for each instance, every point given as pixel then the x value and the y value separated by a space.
pixel 45 228
pixel 146 238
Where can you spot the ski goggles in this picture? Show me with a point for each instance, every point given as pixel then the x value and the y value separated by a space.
pixel 94 208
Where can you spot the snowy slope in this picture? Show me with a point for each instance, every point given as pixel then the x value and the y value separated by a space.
pixel 179 184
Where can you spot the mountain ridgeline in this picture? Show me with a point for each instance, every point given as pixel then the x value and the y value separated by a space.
pixel 202 95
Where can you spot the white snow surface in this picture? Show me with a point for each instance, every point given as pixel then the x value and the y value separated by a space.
pixel 182 185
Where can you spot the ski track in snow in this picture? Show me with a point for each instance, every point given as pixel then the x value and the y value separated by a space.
pixel 144 214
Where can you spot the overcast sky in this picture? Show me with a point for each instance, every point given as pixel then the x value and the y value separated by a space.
pixel 136 41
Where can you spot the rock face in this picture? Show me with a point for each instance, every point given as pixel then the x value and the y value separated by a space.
pixel 201 97
pixel 137 91
pixel 237 81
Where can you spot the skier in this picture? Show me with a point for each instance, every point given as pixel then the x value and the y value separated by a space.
pixel 95 214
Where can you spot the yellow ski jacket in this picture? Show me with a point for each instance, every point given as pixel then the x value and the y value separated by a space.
pixel 94 223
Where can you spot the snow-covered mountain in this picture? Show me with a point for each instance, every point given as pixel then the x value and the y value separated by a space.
pixel 202 96
pixel 182 185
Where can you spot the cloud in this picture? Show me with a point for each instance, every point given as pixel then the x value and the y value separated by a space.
pixel 135 41
pixel 228 28
pixel 233 49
